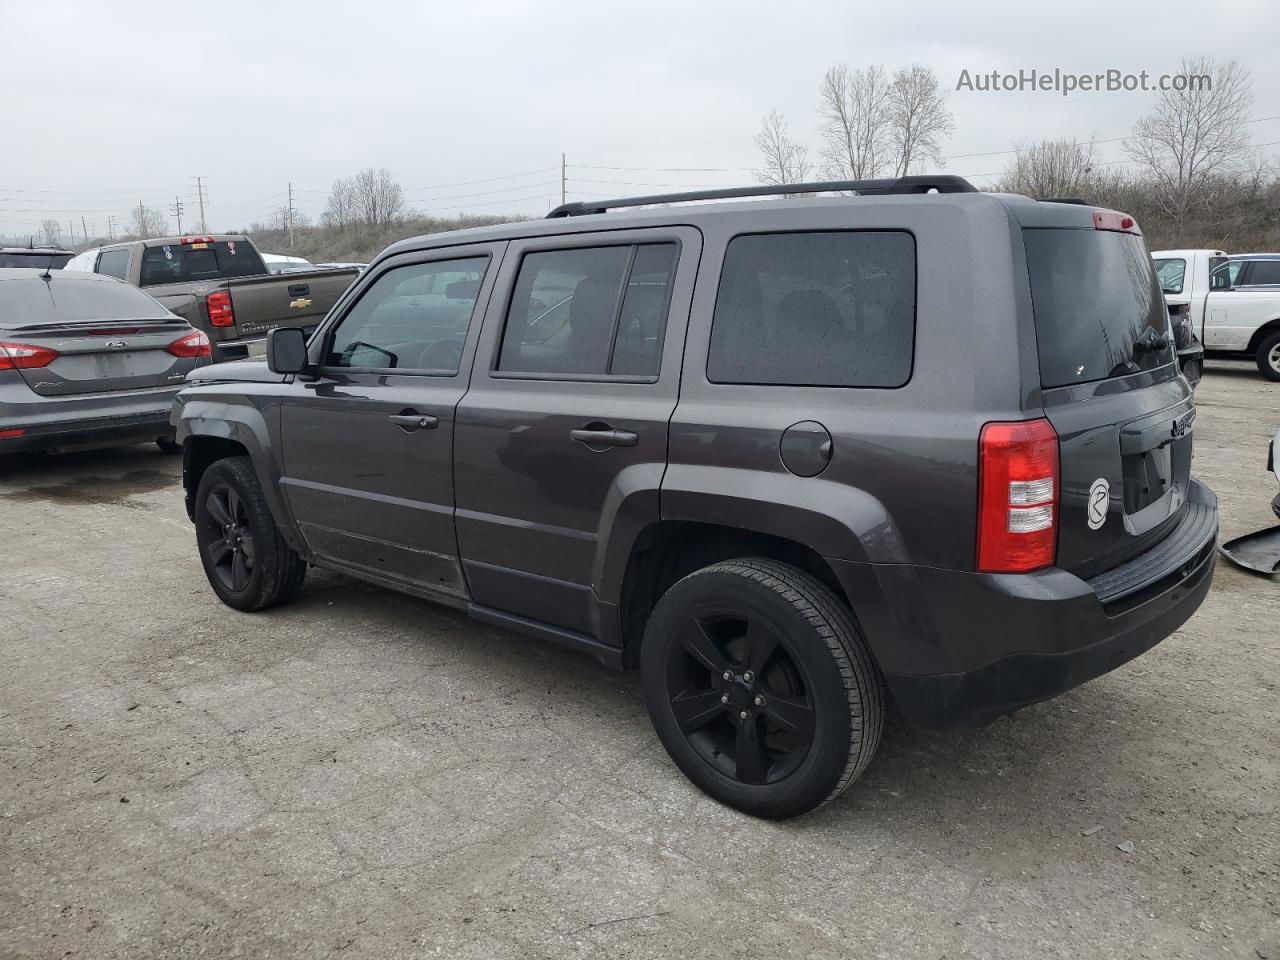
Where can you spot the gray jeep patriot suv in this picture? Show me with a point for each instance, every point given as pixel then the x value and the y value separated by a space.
pixel 794 458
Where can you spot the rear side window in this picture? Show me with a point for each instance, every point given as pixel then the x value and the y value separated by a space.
pixel 1097 305
pixel 591 311
pixel 831 309
pixel 1171 273
pixel 114 263
pixel 201 260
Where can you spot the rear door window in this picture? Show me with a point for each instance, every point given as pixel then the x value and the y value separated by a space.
pixel 1263 273
pixel 590 311
pixel 1097 304
pixel 829 309
pixel 198 260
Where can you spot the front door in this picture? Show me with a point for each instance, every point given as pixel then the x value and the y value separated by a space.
pixel 368 446
pixel 574 384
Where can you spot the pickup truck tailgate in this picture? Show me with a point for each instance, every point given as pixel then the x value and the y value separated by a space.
pixel 286 300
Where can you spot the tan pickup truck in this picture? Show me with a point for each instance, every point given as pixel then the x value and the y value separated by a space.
pixel 219 284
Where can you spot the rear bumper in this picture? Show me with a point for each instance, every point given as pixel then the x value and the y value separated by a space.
pixel 961 649
pixel 87 421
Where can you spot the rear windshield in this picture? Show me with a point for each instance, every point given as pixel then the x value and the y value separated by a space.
pixel 1098 308
pixel 70 297
pixel 54 261
pixel 1170 272
pixel 182 262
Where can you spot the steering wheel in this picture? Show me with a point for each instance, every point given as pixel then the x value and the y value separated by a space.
pixel 441 355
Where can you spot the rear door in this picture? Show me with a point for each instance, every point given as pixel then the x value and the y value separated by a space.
pixel 1111 389
pixel 76 334
pixel 368 445
pixel 567 415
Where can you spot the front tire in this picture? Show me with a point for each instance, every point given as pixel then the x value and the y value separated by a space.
pixel 760 687
pixel 1268 356
pixel 248 563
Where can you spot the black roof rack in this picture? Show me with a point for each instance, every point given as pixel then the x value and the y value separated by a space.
pixel 942 183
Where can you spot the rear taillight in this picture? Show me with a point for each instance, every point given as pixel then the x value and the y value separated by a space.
pixel 194 344
pixel 219 306
pixel 25 356
pixel 1017 496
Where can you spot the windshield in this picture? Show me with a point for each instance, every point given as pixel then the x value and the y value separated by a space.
pixel 1170 273
pixel 1098 308
pixel 54 261
pixel 71 297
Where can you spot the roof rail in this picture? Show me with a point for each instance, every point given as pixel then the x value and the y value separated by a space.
pixel 1075 200
pixel 942 183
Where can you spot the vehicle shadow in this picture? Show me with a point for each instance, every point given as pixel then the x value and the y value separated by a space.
pixel 139 468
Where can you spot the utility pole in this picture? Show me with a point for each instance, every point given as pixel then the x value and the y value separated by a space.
pixel 85 227
pixel 71 230
pixel 111 227
pixel 290 214
pixel 176 210
pixel 562 179
pixel 200 194
pixel 142 219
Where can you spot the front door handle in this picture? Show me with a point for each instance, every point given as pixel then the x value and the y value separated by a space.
pixel 604 437
pixel 414 421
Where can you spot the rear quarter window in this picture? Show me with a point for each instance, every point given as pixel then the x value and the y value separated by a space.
pixel 826 309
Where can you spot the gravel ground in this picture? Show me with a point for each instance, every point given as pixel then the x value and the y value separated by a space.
pixel 365 775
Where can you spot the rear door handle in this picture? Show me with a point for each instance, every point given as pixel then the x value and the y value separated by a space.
pixel 605 437
pixel 414 421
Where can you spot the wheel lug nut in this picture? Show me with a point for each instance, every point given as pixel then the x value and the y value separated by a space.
pixel 728 675
pixel 744 715
pixel 759 701
pixel 724 698
pixel 748 676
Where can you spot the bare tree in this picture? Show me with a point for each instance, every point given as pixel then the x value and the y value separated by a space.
pixel 378 198
pixel 853 109
pixel 783 159
pixel 147 222
pixel 1195 134
pixel 340 210
pixel 278 221
pixel 52 231
pixel 918 118
pixel 1050 168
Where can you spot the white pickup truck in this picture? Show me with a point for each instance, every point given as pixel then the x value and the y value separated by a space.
pixel 1232 301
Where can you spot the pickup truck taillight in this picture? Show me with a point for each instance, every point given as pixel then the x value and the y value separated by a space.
pixel 219 306
pixel 194 344
pixel 1017 496
pixel 25 356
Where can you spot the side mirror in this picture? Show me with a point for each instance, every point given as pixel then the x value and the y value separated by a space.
pixel 287 350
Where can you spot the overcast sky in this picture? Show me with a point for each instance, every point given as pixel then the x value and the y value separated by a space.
pixel 106 104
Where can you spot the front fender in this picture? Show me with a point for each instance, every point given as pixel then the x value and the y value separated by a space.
pixel 196 415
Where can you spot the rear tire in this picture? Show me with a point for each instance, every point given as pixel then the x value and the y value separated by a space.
pixel 167 445
pixel 761 687
pixel 247 561
pixel 1268 356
